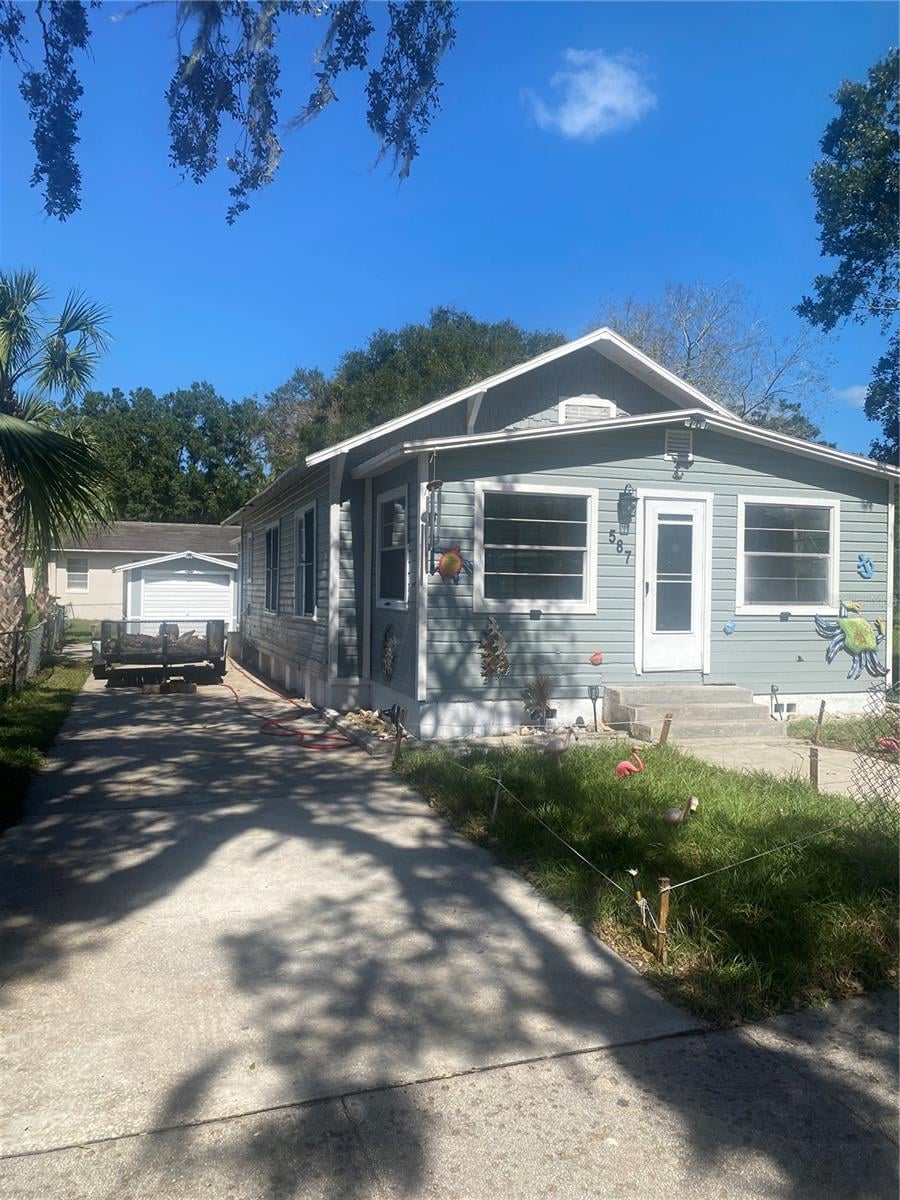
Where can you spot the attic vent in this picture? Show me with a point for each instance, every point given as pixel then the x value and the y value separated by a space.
pixel 680 445
pixel 575 410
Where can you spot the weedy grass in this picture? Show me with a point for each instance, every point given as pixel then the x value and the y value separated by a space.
pixel 777 934
pixel 79 630
pixel 29 722
pixel 842 733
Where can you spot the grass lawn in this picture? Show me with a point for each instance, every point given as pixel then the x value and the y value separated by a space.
pixel 843 733
pixel 80 630
pixel 777 934
pixel 28 724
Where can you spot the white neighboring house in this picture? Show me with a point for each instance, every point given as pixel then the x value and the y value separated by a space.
pixel 148 570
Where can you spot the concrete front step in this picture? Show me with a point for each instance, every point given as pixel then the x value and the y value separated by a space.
pixel 712 727
pixel 686 693
pixel 698 711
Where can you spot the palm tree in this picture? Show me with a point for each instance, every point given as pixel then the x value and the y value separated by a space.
pixel 52 486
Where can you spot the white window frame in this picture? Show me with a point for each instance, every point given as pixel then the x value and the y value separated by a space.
pixel 382 498
pixel 588 602
pixel 86 573
pixel 276 525
pixel 587 401
pixel 300 564
pixel 249 564
pixel 742 607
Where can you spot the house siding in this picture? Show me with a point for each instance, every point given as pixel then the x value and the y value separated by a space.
pixel 764 650
pixel 401 688
pixel 294 649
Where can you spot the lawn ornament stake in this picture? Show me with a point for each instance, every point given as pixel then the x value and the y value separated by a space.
pixel 632 767
pixel 856 636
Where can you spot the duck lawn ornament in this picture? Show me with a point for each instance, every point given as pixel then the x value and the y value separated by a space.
pixel 627 767
pixel 678 816
pixel 856 636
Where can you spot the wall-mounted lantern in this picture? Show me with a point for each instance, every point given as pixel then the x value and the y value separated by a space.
pixel 626 508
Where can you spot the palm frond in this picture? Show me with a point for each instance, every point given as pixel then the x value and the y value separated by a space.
pixel 21 295
pixel 66 368
pixel 61 481
pixel 85 318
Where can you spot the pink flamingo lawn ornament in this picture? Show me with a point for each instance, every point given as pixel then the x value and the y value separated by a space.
pixel 630 767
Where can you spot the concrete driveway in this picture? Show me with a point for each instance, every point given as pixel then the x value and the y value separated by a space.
pixel 233 968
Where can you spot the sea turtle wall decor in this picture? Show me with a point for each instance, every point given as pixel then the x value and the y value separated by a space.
pixel 389 647
pixel 856 636
pixel 494 659
pixel 451 564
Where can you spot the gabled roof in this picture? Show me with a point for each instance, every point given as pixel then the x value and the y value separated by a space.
pixel 604 341
pixel 696 417
pixel 164 558
pixel 158 537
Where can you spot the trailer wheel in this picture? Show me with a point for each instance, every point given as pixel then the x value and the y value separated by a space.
pixel 99 671
pixel 219 667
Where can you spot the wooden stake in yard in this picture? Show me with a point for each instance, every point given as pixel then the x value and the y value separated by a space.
pixel 814 766
pixel 401 717
pixel 662 950
pixel 664 732
pixel 496 804
pixel 818 729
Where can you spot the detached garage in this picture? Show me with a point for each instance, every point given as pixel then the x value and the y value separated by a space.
pixel 184 587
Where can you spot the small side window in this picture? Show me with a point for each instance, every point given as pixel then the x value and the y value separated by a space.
pixel 76 574
pixel 272 568
pixel 305 571
pixel 392 565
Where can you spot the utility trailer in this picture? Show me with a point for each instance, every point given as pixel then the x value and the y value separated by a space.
pixel 159 645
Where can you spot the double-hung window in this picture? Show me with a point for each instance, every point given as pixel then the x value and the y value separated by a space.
pixel 535 548
pixel 305 570
pixel 76 574
pixel 272 568
pixel 391 549
pixel 788 554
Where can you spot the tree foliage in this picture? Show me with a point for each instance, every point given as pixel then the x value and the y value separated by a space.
pixel 228 78
pixel 856 184
pixel 393 373
pixel 710 337
pixel 188 455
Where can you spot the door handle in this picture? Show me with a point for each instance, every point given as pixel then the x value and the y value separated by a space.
pixel 646 587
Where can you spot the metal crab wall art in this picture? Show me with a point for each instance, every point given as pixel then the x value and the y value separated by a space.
pixel 856 636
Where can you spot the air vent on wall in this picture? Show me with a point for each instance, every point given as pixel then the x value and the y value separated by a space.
pixel 680 445
pixel 575 410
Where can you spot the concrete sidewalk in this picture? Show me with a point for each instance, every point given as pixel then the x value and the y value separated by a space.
pixel 777 756
pixel 233 968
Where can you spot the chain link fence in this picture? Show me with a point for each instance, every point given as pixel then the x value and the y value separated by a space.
pixel 24 651
pixel 876 767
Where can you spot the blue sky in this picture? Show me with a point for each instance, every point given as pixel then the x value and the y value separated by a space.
pixel 675 146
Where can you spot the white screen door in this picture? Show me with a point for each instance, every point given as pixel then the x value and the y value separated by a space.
pixel 674 584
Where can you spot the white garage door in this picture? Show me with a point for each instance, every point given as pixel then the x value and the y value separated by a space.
pixel 186 595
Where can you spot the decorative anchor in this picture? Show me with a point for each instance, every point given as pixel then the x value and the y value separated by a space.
pixel 865 568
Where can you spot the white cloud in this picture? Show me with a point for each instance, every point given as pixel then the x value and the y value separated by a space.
pixel 597 93
pixel 855 395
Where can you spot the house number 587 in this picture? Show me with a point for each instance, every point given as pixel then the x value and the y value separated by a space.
pixel 615 540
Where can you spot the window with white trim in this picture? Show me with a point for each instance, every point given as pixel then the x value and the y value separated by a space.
pixel 248 566
pixel 77 574
pixel 391 549
pixel 534 549
pixel 787 554
pixel 305 569
pixel 273 554
pixel 575 410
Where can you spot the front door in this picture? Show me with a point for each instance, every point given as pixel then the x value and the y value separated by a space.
pixel 674 590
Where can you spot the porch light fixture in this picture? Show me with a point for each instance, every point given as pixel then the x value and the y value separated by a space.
pixel 626 508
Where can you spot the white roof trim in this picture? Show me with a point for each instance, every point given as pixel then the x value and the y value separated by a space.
pixel 164 558
pixel 605 341
pixel 730 425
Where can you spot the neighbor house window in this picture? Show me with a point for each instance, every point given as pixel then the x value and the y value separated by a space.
pixel 534 549
pixel 272 558
pixel 787 554
pixel 305 573
pixel 76 574
pixel 391 550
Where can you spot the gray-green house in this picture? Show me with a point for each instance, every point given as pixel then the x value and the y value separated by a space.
pixel 614 526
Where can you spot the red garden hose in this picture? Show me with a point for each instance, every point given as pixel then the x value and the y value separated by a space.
pixel 277 726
